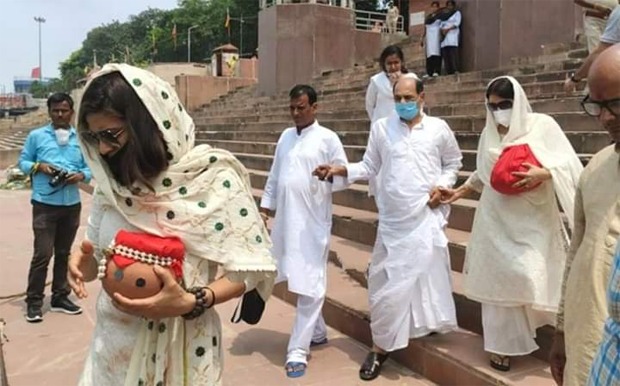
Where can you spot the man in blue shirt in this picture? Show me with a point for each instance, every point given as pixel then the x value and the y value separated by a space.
pixel 53 158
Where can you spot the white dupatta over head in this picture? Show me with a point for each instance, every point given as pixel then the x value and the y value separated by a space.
pixel 204 197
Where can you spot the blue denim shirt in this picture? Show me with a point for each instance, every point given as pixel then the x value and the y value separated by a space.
pixel 41 146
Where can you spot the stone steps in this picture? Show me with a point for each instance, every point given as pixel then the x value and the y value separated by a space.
pixel 354 258
pixel 456 358
pixel 584 142
pixel 356 94
pixel 569 121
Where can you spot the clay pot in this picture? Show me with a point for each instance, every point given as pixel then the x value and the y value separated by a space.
pixel 137 281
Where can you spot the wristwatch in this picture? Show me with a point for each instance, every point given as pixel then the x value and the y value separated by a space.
pixel 573 79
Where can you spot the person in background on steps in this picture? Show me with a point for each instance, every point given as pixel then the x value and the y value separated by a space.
pixel 379 94
pixel 52 157
pixel 610 36
pixel 432 39
pixel 303 220
pixel 515 256
pixel 380 91
pixel 409 283
pixel 581 318
pixel 391 18
pixel 139 142
pixel 595 17
pixel 450 31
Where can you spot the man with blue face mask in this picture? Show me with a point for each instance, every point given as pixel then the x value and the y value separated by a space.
pixel 409 288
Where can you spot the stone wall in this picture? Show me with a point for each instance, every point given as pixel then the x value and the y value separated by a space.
pixel 195 91
pixel 299 41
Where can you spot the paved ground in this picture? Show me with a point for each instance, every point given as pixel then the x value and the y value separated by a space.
pixel 51 353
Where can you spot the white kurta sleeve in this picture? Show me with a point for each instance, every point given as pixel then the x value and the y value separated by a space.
pixel 270 193
pixel 475 182
pixel 97 210
pixel 338 157
pixel 371 163
pixel 450 159
pixel 371 98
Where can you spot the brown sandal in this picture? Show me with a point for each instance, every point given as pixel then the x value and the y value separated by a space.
pixel 500 362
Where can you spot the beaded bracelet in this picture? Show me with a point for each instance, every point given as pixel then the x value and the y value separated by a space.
pixel 201 302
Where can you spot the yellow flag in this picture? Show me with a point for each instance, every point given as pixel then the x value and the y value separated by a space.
pixel 227 22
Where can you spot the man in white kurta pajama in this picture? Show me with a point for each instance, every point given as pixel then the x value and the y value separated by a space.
pixel 409 286
pixel 302 227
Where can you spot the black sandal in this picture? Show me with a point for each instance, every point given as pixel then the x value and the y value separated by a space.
pixel 500 362
pixel 371 368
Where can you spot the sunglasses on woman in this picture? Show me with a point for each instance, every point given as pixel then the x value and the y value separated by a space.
pixel 109 136
pixel 503 105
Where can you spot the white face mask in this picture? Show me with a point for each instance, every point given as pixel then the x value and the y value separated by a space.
pixel 503 117
pixel 62 136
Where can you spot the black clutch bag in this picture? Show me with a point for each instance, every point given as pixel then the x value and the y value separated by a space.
pixel 250 308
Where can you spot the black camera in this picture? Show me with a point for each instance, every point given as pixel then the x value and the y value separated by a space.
pixel 59 177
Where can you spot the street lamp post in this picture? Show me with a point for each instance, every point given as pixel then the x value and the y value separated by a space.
pixel 40 20
pixel 189 42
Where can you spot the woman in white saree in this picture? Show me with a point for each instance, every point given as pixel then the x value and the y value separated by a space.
pixel 515 257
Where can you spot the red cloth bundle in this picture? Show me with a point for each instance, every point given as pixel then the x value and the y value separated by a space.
pixel 512 160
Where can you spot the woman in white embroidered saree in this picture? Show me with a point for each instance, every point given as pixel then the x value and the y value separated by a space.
pixel 515 256
pixel 139 142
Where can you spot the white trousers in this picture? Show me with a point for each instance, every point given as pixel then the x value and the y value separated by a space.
pixel 309 326
pixel 593 28
pixel 511 330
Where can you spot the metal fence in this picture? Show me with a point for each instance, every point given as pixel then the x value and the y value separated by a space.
pixel 333 3
pixel 376 21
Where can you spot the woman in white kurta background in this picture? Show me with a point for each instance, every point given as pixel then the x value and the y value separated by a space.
pixel 139 143
pixel 515 257
pixel 380 93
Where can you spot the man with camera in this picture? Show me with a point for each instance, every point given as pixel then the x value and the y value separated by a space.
pixel 52 157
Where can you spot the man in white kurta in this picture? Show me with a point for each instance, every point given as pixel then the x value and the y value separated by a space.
pixel 303 219
pixel 409 286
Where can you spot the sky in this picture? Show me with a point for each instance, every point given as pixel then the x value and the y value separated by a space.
pixel 67 23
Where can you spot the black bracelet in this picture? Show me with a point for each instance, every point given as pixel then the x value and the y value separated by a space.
pixel 201 302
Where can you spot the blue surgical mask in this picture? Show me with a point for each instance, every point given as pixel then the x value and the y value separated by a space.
pixel 407 110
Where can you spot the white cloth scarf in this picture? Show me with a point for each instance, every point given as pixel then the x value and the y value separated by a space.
pixel 546 140
pixel 204 197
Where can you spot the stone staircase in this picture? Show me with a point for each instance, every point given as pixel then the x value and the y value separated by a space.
pixel 13 133
pixel 249 126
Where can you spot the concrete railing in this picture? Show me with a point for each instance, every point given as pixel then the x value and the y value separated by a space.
pixel 334 3
pixel 376 22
